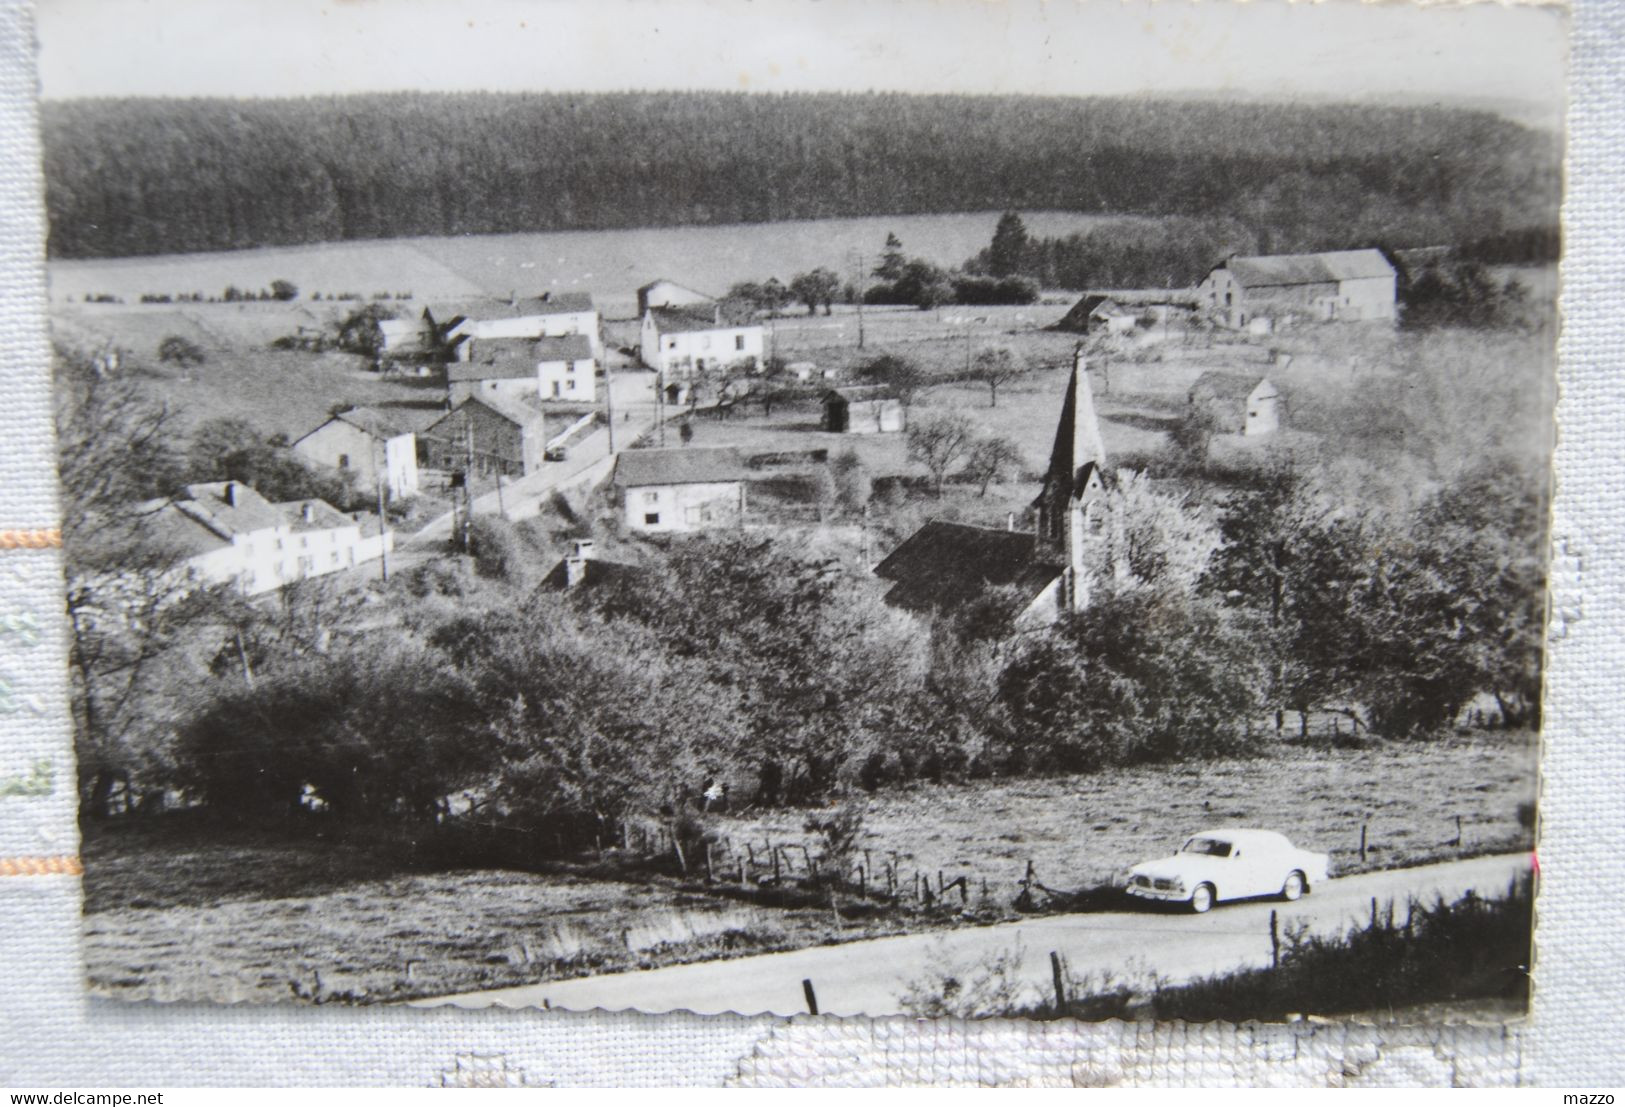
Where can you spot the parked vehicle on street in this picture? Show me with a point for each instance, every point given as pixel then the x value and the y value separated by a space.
pixel 1225 864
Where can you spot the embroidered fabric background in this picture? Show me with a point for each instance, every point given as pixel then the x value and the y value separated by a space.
pixel 54 1034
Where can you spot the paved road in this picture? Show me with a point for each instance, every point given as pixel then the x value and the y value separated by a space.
pixel 635 413
pixel 867 977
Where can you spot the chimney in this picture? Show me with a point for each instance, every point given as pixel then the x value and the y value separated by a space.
pixel 584 548
pixel 308 512
pixel 231 493
pixel 1010 521
pixel 575 566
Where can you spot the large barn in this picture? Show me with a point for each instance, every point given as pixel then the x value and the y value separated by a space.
pixel 1339 285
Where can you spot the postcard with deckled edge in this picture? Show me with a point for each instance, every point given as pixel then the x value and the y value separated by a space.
pixel 935 508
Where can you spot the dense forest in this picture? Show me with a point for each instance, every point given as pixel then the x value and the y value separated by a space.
pixel 129 177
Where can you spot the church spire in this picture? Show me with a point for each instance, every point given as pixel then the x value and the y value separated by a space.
pixel 1077 436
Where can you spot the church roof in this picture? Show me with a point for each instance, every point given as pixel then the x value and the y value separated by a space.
pixel 944 564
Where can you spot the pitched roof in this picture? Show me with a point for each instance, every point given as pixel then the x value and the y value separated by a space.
pixel 323 515
pixel 944 563
pixel 674 284
pixel 211 505
pixel 1216 384
pixel 177 532
pixel 682 465
pixel 559 303
pixel 1295 269
pixel 496 359
pixel 369 420
pixel 564 347
pixel 1078 444
pixel 521 415
pixel 683 320
pixel 596 572
pixel 857 393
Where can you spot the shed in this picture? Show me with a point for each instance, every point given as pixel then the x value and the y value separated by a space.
pixel 863 409
pixel 1240 403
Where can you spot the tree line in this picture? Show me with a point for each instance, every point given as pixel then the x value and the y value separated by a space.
pixel 144 176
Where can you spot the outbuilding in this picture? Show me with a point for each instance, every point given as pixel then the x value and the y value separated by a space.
pixel 863 409
pixel 1240 403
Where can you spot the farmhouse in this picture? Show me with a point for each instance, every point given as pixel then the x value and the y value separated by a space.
pixel 225 532
pixel 663 293
pixel 863 409
pixel 550 315
pixel 371 444
pixel 501 435
pixel 504 367
pixel 1349 285
pixel 1033 578
pixel 683 489
pixel 681 341
pixel 566 368
pixel 1240 403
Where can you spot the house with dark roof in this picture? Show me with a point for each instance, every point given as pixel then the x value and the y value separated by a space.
pixel 493 433
pixel 583 568
pixel 553 367
pixel 682 489
pixel 1336 285
pixel 1240 403
pixel 225 531
pixel 368 442
pixel 661 292
pixel 680 341
pixel 550 315
pixel 945 566
pixel 863 409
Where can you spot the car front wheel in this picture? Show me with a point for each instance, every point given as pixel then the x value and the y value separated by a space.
pixel 1293 888
pixel 1202 899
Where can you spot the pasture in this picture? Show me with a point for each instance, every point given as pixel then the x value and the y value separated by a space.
pixel 200 912
pixel 609 264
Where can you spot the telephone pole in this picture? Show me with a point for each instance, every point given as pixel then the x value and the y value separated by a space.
pixel 378 473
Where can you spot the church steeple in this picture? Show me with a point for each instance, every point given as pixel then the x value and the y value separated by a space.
pixel 1074 485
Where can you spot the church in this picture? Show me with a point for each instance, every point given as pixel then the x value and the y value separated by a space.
pixel 1044 574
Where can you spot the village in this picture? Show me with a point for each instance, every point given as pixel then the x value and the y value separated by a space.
pixel 746 617
pixel 541 394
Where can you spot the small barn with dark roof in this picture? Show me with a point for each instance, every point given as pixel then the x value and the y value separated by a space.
pixel 368 442
pixel 863 409
pixel 1240 403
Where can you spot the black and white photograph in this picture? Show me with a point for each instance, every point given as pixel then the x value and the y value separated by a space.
pixel 920 508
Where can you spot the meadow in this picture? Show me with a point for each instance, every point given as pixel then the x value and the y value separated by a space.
pixel 194 911
pixel 609 264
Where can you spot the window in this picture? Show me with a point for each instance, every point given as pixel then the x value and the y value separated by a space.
pixel 335 558
pixel 671 344
pixel 344 461
pixel 695 516
pixel 651 497
pixel 304 542
pixel 739 342
pixel 651 519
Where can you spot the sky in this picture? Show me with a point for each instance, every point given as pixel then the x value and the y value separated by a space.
pixel 1503 56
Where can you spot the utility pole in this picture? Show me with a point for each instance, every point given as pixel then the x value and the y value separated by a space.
pixel 660 404
pixel 609 407
pixel 468 482
pixel 378 473
pixel 502 509
pixel 858 286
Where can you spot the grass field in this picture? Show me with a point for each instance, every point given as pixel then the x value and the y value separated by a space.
pixel 183 911
pixel 609 264
pixel 1079 831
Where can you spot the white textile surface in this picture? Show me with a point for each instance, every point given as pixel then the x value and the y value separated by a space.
pixel 52 1034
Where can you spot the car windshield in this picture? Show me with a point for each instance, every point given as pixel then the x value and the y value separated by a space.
pixel 1212 847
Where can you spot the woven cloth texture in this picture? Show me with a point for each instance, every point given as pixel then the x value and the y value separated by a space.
pixel 55 1035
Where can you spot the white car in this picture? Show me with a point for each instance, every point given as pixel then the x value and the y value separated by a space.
pixel 1217 865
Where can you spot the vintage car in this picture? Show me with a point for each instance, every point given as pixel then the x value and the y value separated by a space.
pixel 1217 865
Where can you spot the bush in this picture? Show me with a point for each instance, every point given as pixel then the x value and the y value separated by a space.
pixel 180 351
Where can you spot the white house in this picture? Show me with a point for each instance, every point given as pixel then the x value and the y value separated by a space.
pixel 550 315
pixel 1348 285
pixel 370 443
pixel 566 368
pixel 225 531
pixel 682 489
pixel 503 367
pixel 680 341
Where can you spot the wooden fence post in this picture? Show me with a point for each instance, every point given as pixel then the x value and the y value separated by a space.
pixel 812 1000
pixel 710 874
pixel 1275 942
pixel 1373 912
pixel 1458 831
pixel 775 865
pixel 1362 843
pixel 1060 981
